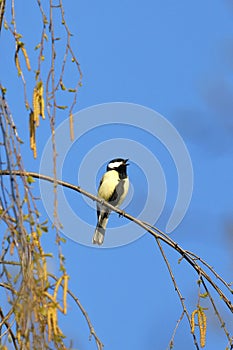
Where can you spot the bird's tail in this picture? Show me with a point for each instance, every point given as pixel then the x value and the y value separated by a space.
pixel 98 237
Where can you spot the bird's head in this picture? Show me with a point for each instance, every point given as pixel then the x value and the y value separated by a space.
pixel 116 164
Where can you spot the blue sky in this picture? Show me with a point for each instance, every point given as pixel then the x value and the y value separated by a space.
pixel 175 58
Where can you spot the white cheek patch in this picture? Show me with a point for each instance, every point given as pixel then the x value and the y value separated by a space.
pixel 114 165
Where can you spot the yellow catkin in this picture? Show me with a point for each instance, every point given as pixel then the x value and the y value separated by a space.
pixel 65 293
pixel 56 288
pixel 32 134
pixel 51 297
pixel 202 326
pixel 71 127
pixel 42 107
pixel 193 321
pixel 40 89
pixel 49 324
pixel 36 106
pixel 32 130
pixel 17 64
pixel 54 321
pixel 35 152
pixel 26 57
pixel 35 238
pixel 18 335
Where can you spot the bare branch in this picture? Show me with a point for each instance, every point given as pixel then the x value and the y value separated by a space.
pixel 154 232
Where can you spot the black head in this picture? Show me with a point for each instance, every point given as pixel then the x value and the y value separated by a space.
pixel 119 165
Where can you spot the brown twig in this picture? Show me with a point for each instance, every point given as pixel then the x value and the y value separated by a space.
pixel 8 329
pixel 2 12
pixel 211 269
pixel 177 289
pixel 171 343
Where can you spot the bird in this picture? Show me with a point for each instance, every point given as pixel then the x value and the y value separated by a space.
pixel 113 188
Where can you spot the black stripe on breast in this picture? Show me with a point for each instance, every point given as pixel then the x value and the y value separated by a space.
pixel 118 192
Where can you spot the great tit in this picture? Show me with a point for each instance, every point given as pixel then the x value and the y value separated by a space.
pixel 113 188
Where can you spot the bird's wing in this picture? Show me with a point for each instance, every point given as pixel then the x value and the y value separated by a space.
pixel 117 193
pixel 120 192
pixel 106 188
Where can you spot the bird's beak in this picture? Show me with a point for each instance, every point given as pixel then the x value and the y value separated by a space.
pixel 125 161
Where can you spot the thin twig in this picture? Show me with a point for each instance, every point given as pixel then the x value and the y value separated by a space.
pixel 171 343
pixel 211 269
pixel 177 290
pixel 8 329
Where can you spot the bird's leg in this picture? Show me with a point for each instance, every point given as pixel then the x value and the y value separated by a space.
pixel 122 214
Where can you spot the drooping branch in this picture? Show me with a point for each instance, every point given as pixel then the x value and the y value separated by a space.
pixel 190 257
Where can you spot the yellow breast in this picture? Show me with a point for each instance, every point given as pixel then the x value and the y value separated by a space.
pixel 108 184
